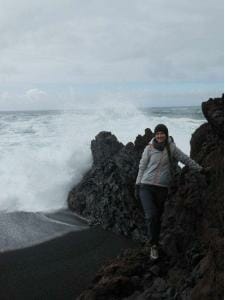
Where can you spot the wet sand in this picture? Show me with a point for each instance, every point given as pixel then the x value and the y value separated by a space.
pixel 59 268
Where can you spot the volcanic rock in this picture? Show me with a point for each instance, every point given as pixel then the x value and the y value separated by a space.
pixel 191 250
pixel 106 193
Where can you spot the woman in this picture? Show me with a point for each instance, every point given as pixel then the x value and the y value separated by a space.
pixel 154 177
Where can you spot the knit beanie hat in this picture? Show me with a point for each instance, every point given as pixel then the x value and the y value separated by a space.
pixel 161 127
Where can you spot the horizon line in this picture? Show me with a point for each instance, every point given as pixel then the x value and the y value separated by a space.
pixel 71 109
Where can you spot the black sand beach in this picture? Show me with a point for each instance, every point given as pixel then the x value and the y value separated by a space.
pixel 60 268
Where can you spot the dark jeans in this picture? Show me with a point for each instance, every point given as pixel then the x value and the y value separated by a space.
pixel 152 199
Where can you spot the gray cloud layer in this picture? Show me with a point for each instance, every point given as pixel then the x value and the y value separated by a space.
pixel 55 45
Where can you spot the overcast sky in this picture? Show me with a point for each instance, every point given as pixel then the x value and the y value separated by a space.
pixel 58 54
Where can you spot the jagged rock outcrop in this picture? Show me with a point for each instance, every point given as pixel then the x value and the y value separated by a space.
pixel 214 114
pixel 106 193
pixel 191 252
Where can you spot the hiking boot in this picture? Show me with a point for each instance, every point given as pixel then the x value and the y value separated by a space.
pixel 154 254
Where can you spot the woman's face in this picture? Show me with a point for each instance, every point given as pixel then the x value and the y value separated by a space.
pixel 160 136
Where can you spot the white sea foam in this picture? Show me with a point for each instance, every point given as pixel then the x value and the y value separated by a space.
pixel 43 154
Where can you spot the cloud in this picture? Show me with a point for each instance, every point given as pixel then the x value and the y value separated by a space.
pixel 81 98
pixel 62 44
pixel 35 94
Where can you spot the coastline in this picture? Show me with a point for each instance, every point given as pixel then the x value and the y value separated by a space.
pixel 21 229
pixel 65 266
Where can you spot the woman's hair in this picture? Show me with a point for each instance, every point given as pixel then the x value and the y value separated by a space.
pixel 169 155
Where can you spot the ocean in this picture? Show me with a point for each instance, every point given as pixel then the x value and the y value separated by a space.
pixel 44 153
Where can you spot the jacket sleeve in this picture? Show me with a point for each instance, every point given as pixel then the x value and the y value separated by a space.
pixel 143 164
pixel 186 160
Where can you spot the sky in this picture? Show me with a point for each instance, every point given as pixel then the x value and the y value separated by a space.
pixel 61 54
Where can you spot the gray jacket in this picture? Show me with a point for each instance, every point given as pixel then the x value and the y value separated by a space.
pixel 154 167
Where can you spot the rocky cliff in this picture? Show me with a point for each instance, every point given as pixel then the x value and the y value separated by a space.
pixel 106 193
pixel 191 252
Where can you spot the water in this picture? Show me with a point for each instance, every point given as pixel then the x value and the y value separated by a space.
pixel 43 154
pixel 24 229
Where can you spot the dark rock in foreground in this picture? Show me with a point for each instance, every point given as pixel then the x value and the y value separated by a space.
pixel 213 110
pixel 191 252
pixel 106 193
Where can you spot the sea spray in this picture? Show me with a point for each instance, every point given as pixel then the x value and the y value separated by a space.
pixel 44 153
